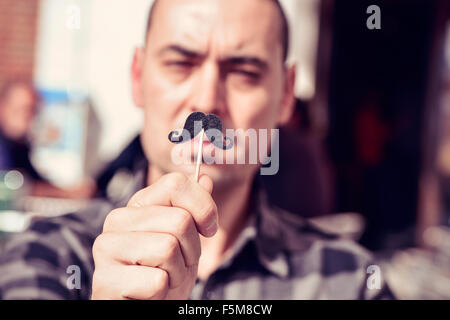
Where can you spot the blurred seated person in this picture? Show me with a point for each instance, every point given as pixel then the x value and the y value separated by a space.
pixel 18 107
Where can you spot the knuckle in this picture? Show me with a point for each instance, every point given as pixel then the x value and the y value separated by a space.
pixel 171 247
pixel 175 180
pixel 184 223
pixel 135 259
pixel 207 211
pixel 97 285
pixel 100 245
pixel 111 220
pixel 134 200
pixel 101 280
pixel 161 281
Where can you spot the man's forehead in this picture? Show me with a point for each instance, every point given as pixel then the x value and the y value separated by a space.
pixel 232 25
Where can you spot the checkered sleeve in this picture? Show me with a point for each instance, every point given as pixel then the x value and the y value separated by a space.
pixel 53 258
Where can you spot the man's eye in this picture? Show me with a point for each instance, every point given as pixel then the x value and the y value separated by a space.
pixel 180 63
pixel 254 76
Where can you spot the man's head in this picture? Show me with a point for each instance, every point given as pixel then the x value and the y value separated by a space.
pixel 225 57
pixel 284 26
pixel 18 101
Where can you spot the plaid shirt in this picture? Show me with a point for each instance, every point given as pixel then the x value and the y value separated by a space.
pixel 278 255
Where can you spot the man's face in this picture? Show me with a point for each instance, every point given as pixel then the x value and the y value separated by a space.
pixel 17 112
pixel 214 56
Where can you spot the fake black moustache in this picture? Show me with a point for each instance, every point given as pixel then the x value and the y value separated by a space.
pixel 210 123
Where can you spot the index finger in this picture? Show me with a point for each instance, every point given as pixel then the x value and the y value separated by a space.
pixel 178 190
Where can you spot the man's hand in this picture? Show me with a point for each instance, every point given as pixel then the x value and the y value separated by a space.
pixel 151 248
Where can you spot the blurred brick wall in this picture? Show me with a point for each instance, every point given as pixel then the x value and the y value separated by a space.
pixel 18 30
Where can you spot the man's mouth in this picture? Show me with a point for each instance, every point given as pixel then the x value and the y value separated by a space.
pixel 196 140
pixel 208 147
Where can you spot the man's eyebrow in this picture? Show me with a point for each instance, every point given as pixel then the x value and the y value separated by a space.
pixel 247 60
pixel 252 60
pixel 181 50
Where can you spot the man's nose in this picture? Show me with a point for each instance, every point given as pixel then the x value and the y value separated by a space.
pixel 209 91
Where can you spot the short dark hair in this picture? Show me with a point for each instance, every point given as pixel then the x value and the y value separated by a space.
pixel 284 26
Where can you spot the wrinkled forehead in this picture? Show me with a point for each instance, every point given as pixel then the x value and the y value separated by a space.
pixel 220 27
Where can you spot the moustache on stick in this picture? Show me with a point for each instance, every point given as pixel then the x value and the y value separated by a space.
pixel 198 122
pixel 210 124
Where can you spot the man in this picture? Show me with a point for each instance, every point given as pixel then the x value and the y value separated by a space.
pixel 18 104
pixel 172 237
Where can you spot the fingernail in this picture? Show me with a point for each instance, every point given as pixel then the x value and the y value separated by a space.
pixel 211 229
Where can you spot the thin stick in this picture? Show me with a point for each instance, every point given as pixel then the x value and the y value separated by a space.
pixel 199 156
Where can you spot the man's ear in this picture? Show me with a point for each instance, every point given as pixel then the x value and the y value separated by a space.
pixel 288 103
pixel 136 77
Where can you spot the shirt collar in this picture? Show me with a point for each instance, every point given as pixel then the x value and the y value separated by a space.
pixel 280 232
pixel 271 253
pixel 264 233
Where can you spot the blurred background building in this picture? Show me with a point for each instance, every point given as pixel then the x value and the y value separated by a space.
pixel 372 121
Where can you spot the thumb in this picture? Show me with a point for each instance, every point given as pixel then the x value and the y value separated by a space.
pixel 206 182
